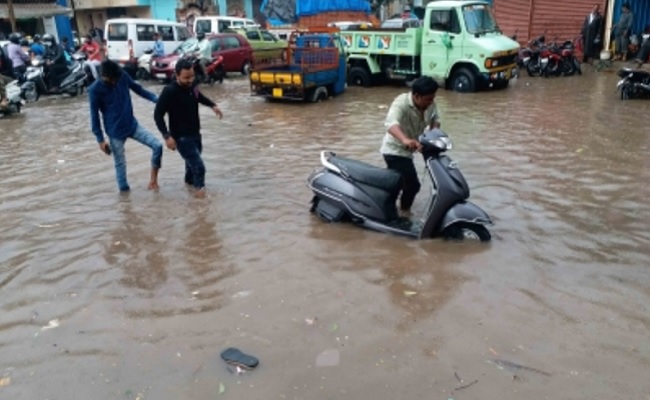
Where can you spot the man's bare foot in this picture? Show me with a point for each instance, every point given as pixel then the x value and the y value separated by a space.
pixel 200 194
pixel 153 186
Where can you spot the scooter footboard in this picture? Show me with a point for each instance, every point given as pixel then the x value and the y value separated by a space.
pixel 465 212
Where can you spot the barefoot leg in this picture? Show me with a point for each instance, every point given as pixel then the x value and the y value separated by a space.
pixel 153 181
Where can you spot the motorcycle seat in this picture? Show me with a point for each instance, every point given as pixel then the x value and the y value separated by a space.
pixel 370 175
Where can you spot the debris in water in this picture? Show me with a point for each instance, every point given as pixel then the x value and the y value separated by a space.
pixel 409 293
pixel 51 325
pixel 334 328
pixel 60 161
pixel 493 351
pixel 382 107
pixel 328 358
pixel 5 381
pixel 47 225
pixel 501 364
pixel 222 388
pixel 466 386
pixel 310 321
pixel 243 293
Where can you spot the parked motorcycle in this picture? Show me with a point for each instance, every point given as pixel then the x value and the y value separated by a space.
pixel 634 84
pixel 350 190
pixel 17 95
pixel 529 57
pixel 144 65
pixel 570 64
pixel 73 83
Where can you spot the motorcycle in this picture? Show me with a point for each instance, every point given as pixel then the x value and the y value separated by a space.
pixel 81 58
pixel 73 83
pixel 570 64
pixel 350 190
pixel 634 84
pixel 17 95
pixel 215 70
pixel 530 57
pixel 144 65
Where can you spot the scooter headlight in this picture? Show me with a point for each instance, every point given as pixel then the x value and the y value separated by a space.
pixel 442 143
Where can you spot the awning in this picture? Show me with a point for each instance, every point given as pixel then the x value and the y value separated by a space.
pixel 24 11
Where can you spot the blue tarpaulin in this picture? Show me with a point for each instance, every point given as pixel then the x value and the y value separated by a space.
pixel 313 7
pixel 279 12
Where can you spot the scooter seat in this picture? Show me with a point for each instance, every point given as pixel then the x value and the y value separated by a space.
pixel 370 175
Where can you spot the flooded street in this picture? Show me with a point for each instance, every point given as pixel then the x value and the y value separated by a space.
pixel 109 296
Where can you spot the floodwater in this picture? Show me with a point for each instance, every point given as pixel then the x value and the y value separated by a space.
pixel 109 296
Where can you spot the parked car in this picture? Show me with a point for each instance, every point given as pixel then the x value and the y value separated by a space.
pixel 263 42
pixel 236 52
pixel 400 23
pixel 128 38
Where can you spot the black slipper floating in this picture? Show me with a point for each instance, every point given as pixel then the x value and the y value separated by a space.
pixel 236 357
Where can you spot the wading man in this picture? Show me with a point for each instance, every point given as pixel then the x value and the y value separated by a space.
pixel 408 117
pixel 110 96
pixel 180 101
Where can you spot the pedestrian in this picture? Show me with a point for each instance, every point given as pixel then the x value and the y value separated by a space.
pixel 592 34
pixel 408 117
pixel 622 32
pixel 180 101
pixel 110 97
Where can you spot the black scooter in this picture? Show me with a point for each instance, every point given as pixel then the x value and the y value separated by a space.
pixel 349 190
pixel 634 83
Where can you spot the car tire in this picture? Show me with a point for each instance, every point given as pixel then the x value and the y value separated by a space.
pixel 246 68
pixel 463 81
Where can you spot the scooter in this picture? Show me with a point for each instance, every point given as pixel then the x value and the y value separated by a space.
pixel 73 83
pixel 81 58
pixel 634 83
pixel 144 65
pixel 17 96
pixel 350 190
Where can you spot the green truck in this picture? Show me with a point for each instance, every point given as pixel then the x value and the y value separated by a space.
pixel 459 44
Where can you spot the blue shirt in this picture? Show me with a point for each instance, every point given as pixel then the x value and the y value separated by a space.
pixel 114 102
pixel 38 49
pixel 158 48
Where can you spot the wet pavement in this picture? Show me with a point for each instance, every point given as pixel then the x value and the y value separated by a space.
pixel 104 296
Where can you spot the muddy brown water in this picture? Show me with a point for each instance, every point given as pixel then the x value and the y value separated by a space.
pixel 105 296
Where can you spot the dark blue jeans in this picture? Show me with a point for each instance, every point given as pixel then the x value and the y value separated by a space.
pixel 410 180
pixel 190 148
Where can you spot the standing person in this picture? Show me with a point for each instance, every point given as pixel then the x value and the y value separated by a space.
pixel 110 97
pixel 408 117
pixel 180 101
pixel 592 34
pixel 622 32
pixel 93 51
pixel 158 46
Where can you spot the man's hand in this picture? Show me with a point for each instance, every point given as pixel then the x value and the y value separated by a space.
pixel 217 111
pixel 412 145
pixel 171 143
pixel 105 148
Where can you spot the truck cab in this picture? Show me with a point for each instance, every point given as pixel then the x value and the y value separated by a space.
pixel 459 44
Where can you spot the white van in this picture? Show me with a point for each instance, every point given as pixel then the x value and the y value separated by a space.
pixel 128 38
pixel 218 24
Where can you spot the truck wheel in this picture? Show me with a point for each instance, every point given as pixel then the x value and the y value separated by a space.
pixel 463 81
pixel 319 94
pixel 358 76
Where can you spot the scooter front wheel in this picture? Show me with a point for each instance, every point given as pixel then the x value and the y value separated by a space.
pixel 464 231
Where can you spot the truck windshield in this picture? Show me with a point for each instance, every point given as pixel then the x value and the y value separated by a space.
pixel 479 19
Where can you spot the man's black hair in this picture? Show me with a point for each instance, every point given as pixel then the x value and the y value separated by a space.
pixel 111 69
pixel 183 64
pixel 626 5
pixel 424 86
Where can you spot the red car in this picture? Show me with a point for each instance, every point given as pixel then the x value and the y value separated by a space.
pixel 236 52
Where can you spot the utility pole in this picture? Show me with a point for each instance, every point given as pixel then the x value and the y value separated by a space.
pixel 12 17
